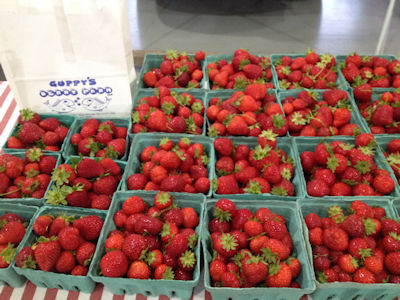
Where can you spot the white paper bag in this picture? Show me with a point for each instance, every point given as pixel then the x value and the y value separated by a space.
pixel 68 56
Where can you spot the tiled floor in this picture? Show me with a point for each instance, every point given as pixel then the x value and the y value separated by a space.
pixel 336 26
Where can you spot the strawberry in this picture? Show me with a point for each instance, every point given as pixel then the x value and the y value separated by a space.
pixel 89 168
pixel 114 264
pixel 66 262
pixel 25 258
pixel 138 270
pixel 335 238
pixel 7 254
pixel 392 262
pixel 255 270
pixel 363 275
pixel 69 238
pixel 279 275
pixel 30 133
pixel 47 253
pixel 226 245
pixel 89 227
pixel 164 272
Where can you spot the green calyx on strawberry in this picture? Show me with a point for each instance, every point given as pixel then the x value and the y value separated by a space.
pixel 214 184
pixel 192 240
pixel 332 163
pixel 240 83
pixel 370 226
pixel 111 153
pixel 197 107
pixel 322 277
pixel 222 215
pixel 363 166
pixel 228 242
pixel 58 194
pixel 93 146
pixel 163 200
pixel 190 125
pixel 60 176
pixel 298 119
pixel 365 252
pixel 32 173
pixel 105 127
pixel 269 256
pixel 7 254
pixel 279 191
pixel 254 187
pixel 34 154
pixel 278 121
pixel 168 274
pixel 168 107
pixel 172 54
pixel 335 210
pixel 395 236
pixel 273 269
pixel 188 259
pixel 260 153
pixel 29 263
pixel 182 100
pixel 26 114
pixel 268 135
pixel 135 117
pixel 367 150
pixel 237 258
pixel 286 174
pixel 284 84
pixel 143 254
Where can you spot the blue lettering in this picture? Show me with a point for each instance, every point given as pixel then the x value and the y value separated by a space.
pixel 61 83
pixel 69 82
pixel 93 91
pixel 76 82
pixel 51 93
pixel 65 92
pixel 85 91
pixel 100 90
pixel 43 93
pixel 92 81
pixel 108 90
pixel 74 92
pixel 59 93
pixel 53 83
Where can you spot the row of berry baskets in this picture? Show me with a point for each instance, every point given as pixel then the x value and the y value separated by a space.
pixel 235 167
pixel 236 265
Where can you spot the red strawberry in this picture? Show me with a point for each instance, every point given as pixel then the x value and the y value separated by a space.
pixel 47 253
pixel 114 264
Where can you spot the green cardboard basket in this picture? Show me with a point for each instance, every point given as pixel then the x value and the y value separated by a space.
pixel 307 144
pixel 154 61
pixel 66 120
pixel 53 280
pixel 345 290
pixel 226 94
pixel 293 223
pixel 197 93
pixel 150 287
pixel 356 118
pixel 342 58
pixel 287 145
pixel 227 57
pixel 340 82
pixel 8 276
pixel 376 94
pixel 71 150
pixel 396 207
pixel 32 201
pixel 120 163
pixel 142 140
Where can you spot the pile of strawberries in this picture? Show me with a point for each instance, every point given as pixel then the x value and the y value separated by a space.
pixel 251 250
pixel 168 111
pixel 343 169
pixel 47 134
pixel 377 72
pixel 331 115
pixel 172 168
pixel 157 242
pixel 178 70
pixel 88 183
pixel 363 246
pixel 100 139
pixel 11 234
pixel 63 244
pixel 246 113
pixel 244 69
pixel 24 178
pixel 264 169
pixel 312 71
pixel 392 155
pixel 382 115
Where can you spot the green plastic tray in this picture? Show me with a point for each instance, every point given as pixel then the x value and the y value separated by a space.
pixel 345 290
pixel 32 201
pixel 293 223
pixel 356 118
pixel 226 94
pixel 7 275
pixel 120 163
pixel 66 120
pixel 154 61
pixel 56 280
pixel 228 58
pixel 151 287
pixel 287 145
pixel 69 149
pixel 340 82
pixel 307 144
pixel 342 59
pixel 141 141
pixel 197 93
